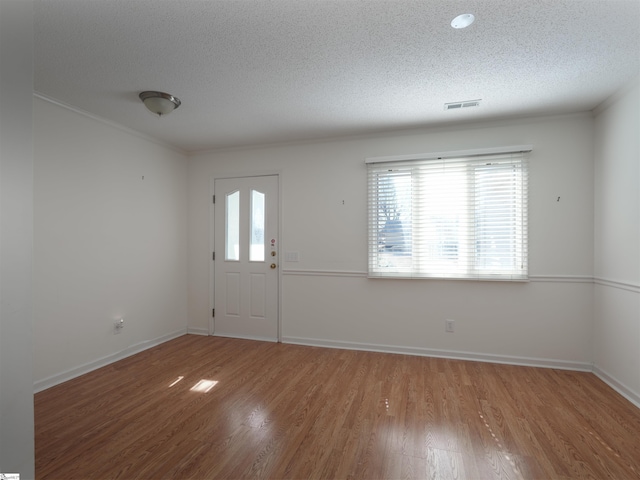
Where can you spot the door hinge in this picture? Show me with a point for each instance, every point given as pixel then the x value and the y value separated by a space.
pixel 213 256
pixel 214 199
pixel 213 312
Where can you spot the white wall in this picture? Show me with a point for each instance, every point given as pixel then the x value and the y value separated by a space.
pixel 326 298
pixel 617 241
pixel 16 238
pixel 108 243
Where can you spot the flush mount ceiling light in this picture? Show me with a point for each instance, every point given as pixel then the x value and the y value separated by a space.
pixel 159 103
pixel 463 21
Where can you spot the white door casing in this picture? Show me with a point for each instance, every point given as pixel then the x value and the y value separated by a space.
pixel 246 257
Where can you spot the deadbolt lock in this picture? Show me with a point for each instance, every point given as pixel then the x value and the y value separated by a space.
pixel 273 254
pixel 273 265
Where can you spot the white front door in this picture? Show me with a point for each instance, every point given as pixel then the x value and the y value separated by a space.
pixel 246 257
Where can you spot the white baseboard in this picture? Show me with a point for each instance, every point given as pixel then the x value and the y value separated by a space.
pixel 452 354
pixel 198 331
pixel 621 388
pixel 67 375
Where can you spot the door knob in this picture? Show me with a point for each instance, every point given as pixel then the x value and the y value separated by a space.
pixel 273 265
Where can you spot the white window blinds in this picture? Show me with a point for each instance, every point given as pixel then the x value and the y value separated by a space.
pixel 457 217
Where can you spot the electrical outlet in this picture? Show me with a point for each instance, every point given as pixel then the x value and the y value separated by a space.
pixel 449 326
pixel 118 326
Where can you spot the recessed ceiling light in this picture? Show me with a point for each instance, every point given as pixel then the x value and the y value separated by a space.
pixel 463 21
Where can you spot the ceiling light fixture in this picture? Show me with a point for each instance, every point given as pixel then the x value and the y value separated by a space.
pixel 463 21
pixel 159 103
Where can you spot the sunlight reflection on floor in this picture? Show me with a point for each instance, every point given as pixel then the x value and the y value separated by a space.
pixel 204 386
pixel 176 381
pixel 501 447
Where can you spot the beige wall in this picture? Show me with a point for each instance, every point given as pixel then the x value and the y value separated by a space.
pixel 108 243
pixel 16 238
pixel 617 242
pixel 326 298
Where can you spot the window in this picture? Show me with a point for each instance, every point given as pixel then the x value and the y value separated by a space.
pixel 460 215
pixel 256 251
pixel 233 226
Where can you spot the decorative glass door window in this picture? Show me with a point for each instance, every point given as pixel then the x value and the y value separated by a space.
pixel 232 206
pixel 233 250
pixel 256 251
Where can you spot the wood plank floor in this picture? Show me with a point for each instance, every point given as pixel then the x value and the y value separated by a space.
pixel 287 411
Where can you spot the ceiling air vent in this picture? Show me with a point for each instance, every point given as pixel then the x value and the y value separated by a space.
pixel 465 104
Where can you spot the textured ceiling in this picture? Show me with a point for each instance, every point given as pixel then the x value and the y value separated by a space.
pixel 254 72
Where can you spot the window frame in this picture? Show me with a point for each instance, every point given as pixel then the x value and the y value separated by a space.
pixel 466 164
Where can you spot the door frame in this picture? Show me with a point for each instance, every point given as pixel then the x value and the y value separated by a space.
pixel 212 264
